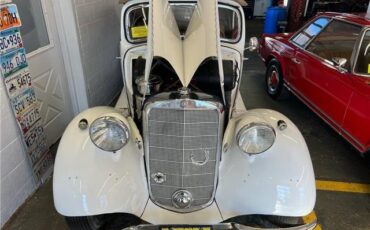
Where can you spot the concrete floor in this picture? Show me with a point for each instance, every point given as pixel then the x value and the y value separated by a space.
pixel 333 159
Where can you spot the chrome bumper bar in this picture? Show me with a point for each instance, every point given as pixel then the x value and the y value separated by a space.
pixel 225 226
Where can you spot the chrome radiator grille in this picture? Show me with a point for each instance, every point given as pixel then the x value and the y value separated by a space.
pixel 182 142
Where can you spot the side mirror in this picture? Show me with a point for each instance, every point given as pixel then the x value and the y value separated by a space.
pixel 340 63
pixel 253 44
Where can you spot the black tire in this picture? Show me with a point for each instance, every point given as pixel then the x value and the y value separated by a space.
pixel 274 80
pixel 85 222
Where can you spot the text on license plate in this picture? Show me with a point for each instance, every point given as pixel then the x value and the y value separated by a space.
pixel 10 40
pixel 13 61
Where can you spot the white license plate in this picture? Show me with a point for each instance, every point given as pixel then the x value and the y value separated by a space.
pixel 29 118
pixel 10 40
pixel 13 61
pixel 37 152
pixel 34 135
pixel 23 101
pixel 18 82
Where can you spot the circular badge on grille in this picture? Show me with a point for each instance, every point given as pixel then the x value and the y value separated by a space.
pixel 159 177
pixel 182 199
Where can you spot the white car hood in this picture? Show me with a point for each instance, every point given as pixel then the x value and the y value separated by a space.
pixel 201 40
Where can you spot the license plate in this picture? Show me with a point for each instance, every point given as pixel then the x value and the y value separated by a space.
pixel 13 61
pixel 34 135
pixel 23 101
pixel 187 228
pixel 38 151
pixel 18 82
pixel 10 40
pixel 9 17
pixel 29 118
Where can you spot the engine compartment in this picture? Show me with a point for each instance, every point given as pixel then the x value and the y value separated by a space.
pixel 163 79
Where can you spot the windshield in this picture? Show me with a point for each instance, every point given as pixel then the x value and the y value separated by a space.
pixel 137 20
pixel 363 61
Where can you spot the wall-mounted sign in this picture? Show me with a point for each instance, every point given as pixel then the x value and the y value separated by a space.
pixel 18 82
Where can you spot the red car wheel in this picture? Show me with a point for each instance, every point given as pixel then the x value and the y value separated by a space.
pixel 274 79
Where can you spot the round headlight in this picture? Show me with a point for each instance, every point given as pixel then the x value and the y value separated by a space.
pixel 256 138
pixel 109 133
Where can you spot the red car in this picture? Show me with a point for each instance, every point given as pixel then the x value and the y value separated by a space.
pixel 326 64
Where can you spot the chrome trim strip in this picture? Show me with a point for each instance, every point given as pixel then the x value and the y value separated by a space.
pixel 176 105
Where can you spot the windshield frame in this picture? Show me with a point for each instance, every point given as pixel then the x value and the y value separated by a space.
pixel 144 40
pixel 365 30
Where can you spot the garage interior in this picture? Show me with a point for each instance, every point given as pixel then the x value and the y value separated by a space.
pixel 342 174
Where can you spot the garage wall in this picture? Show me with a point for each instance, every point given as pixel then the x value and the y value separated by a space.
pixel 17 181
pixel 98 25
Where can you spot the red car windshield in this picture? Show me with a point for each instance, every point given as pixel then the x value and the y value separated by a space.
pixel 363 61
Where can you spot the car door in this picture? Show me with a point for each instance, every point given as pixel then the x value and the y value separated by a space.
pixel 357 120
pixel 296 69
pixel 324 86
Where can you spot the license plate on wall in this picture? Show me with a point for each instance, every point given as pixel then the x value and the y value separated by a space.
pixel 13 61
pixel 10 40
pixel 18 82
pixel 23 101
pixel 9 17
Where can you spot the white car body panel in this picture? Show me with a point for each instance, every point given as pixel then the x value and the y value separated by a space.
pixel 200 41
pixel 89 181
pixel 279 181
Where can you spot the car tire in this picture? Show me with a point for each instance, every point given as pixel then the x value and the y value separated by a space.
pixel 85 222
pixel 274 80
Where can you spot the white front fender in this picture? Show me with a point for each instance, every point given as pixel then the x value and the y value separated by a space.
pixel 279 181
pixel 89 181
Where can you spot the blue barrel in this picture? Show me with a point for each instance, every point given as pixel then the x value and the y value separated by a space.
pixel 273 16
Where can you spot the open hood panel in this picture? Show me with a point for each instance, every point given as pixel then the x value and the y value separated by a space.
pixel 184 53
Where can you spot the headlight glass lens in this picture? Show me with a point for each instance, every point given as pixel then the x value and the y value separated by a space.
pixel 109 133
pixel 256 138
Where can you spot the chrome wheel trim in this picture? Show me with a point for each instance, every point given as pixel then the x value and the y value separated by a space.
pixel 273 81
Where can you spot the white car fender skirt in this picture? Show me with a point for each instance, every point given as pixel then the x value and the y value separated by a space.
pixel 90 181
pixel 279 181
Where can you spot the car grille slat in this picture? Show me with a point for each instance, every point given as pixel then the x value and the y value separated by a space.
pixel 183 145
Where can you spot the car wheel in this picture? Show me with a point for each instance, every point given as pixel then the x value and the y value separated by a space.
pixel 85 222
pixel 274 80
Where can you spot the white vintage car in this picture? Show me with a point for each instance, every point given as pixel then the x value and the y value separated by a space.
pixel 179 150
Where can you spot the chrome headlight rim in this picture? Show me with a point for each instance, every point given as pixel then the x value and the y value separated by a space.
pixel 116 121
pixel 250 126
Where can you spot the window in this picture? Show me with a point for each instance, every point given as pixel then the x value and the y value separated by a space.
pixel 136 23
pixel 307 34
pixel 137 20
pixel 363 60
pixel 337 40
pixel 229 24
pixel 34 30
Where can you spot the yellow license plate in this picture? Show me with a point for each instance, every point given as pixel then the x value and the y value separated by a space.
pixel 187 228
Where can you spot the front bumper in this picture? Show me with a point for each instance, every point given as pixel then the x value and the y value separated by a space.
pixel 223 226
